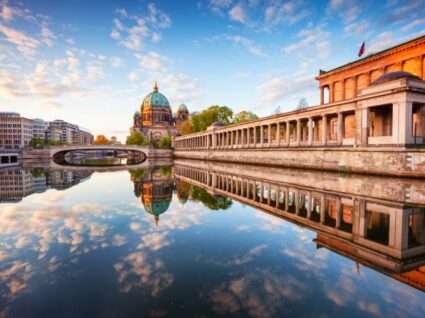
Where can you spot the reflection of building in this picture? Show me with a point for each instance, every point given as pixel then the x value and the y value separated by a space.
pixel 15 131
pixel 384 232
pixel 15 184
pixel 155 118
pixel 18 183
pixel 155 189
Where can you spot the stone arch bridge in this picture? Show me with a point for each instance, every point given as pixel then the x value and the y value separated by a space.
pixel 58 152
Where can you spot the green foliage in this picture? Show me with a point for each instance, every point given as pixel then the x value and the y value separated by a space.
pixel 37 173
pixel 136 139
pixel 165 171
pixel 138 174
pixel 244 116
pixel 165 142
pixel 201 121
pixel 36 142
pixel 55 143
pixel 211 202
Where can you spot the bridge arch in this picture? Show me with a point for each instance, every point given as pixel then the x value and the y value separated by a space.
pixel 58 153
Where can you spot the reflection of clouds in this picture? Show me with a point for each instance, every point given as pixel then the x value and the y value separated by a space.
pixel 50 197
pixel 37 227
pixel 138 270
pixel 261 292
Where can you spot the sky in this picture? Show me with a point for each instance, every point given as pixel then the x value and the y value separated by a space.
pixel 92 62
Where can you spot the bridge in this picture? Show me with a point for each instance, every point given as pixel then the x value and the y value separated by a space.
pixel 56 152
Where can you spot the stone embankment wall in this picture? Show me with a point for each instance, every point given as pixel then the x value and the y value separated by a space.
pixel 378 161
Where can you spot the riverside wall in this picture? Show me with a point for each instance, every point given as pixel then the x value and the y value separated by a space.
pixel 376 161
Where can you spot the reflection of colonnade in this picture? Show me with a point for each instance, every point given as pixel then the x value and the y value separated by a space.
pixel 386 235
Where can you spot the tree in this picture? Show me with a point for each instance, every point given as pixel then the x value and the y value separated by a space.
pixel 201 121
pixel 102 140
pixel 55 143
pixel 244 116
pixel 136 138
pixel 212 202
pixel 185 127
pixel 302 103
pixel 277 110
pixel 36 142
pixel 165 142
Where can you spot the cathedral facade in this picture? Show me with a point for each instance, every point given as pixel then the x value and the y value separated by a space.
pixel 155 118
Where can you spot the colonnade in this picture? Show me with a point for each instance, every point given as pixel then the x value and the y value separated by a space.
pixel 328 211
pixel 329 129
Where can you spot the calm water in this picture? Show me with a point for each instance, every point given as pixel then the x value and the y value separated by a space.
pixel 158 242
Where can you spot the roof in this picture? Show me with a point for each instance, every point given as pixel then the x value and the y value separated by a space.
pixel 368 57
pixel 392 76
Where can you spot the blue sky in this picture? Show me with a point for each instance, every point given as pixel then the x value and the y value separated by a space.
pixel 92 62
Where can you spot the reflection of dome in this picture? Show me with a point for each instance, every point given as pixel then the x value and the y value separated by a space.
pixel 182 197
pixel 156 207
pixel 217 124
pixel 393 76
pixel 155 99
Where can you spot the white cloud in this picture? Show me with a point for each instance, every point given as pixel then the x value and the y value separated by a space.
pixel 142 29
pixel 116 62
pixel 248 44
pixel 311 42
pixel 237 13
pixel 280 87
pixel 24 43
pixel 47 35
pixel 413 24
pixel 152 61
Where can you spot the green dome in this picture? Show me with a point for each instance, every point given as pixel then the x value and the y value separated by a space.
pixel 182 107
pixel 157 207
pixel 156 99
pixel 137 114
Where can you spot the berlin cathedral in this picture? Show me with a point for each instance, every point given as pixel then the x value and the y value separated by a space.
pixel 155 118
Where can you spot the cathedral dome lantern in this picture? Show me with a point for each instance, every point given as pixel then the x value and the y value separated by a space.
pixel 155 99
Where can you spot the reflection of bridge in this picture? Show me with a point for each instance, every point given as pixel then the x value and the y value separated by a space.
pixel 387 235
pixel 56 151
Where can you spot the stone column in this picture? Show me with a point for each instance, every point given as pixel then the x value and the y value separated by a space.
pixel 277 134
pixel 255 136
pixel 355 87
pixel 322 208
pixel 298 132
pixel 297 202
pixel 269 194
pixel 236 139
pixel 243 138
pixel 248 137
pixel 340 129
pixel 338 213
pixel 286 196
pixel 310 131
pixel 262 135
pixel 269 134
pixel 331 92
pixel 287 133
pixel 367 79
pixel 308 198
pixel 324 129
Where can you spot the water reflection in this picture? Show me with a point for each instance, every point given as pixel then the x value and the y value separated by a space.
pixel 150 242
